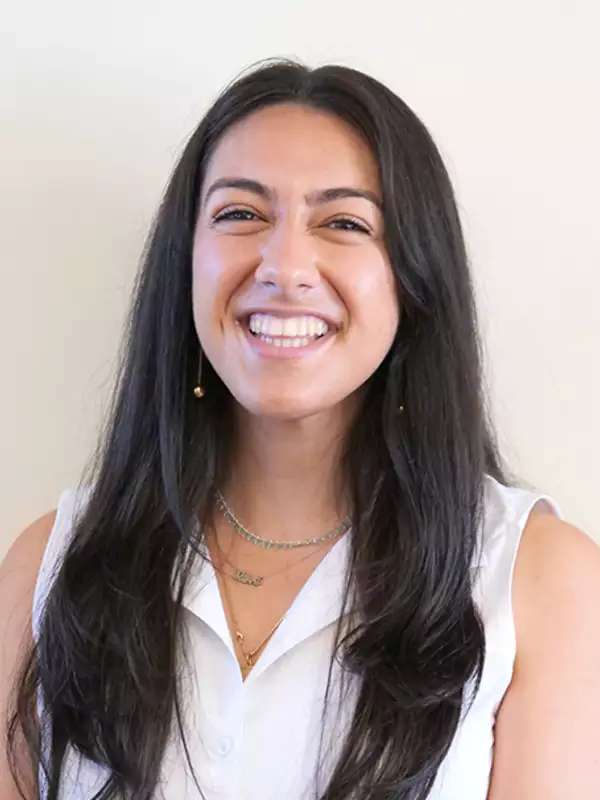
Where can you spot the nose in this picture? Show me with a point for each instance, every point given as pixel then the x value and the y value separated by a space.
pixel 288 260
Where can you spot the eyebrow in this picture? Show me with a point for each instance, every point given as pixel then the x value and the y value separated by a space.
pixel 313 198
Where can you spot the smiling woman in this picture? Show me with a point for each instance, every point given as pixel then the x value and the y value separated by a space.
pixel 294 243
pixel 298 568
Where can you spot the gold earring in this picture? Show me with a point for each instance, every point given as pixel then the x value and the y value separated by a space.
pixel 198 390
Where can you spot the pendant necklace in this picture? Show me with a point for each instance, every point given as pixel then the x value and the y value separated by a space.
pixel 249 657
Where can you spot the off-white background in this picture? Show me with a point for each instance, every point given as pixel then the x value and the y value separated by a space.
pixel 97 100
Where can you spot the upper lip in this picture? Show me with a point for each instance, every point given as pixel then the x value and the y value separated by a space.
pixel 289 312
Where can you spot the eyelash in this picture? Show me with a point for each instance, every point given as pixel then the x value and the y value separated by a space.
pixel 227 215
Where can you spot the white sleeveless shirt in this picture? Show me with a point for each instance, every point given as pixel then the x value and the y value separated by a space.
pixel 259 738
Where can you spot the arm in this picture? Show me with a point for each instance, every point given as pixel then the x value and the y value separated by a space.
pixel 547 745
pixel 18 573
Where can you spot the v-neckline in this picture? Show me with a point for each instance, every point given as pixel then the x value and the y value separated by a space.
pixel 226 602
pixel 316 604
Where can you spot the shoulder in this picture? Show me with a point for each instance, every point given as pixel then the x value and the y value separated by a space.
pixel 546 725
pixel 18 576
pixel 557 572
pixel 20 568
pixel 556 597
pixel 556 590
pixel 25 553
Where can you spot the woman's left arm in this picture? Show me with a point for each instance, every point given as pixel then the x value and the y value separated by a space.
pixel 547 732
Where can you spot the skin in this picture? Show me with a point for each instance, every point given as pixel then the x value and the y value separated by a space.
pixel 291 250
pixel 546 730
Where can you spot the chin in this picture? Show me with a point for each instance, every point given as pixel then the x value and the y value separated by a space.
pixel 283 408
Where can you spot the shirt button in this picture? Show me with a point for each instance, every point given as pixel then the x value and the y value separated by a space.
pixel 224 746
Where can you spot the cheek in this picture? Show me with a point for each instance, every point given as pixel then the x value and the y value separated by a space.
pixel 369 292
pixel 216 271
pixel 218 257
pixel 209 265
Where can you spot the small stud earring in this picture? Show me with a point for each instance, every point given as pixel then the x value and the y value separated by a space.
pixel 401 409
pixel 198 390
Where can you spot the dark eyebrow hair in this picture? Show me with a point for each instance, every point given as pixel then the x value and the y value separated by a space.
pixel 314 198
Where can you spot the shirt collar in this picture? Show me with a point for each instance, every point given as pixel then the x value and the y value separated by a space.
pixel 317 604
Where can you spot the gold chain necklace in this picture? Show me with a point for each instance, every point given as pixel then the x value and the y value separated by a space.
pixel 250 656
pixel 256 581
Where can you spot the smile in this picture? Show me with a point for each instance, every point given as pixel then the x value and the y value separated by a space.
pixel 285 346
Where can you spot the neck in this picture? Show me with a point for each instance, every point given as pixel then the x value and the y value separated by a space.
pixel 285 479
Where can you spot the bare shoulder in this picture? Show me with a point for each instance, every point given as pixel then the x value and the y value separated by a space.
pixel 19 570
pixel 545 732
pixel 18 574
pixel 556 557
pixel 25 553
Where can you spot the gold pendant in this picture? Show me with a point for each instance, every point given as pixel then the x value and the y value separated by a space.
pixel 244 577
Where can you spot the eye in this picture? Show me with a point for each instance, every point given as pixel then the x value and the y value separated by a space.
pixel 349 224
pixel 236 215
pixel 245 215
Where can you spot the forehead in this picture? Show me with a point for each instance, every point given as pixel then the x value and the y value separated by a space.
pixel 292 142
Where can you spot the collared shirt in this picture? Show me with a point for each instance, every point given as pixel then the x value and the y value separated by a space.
pixel 259 738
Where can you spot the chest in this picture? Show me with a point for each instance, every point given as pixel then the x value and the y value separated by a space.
pixel 257 597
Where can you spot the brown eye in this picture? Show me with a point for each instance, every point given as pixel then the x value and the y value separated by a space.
pixel 237 215
pixel 349 224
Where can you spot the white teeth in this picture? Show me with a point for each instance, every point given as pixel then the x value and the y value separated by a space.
pixel 280 342
pixel 289 327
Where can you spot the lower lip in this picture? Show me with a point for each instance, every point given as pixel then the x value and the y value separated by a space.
pixel 267 350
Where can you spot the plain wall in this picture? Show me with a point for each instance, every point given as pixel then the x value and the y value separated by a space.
pixel 97 100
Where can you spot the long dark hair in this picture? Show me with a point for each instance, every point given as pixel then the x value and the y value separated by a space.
pixel 110 644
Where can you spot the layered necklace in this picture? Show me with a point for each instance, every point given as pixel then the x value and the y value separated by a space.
pixel 256 581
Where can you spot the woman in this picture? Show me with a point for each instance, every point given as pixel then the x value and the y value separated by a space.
pixel 291 573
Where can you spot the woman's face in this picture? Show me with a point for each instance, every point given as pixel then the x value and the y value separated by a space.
pixel 294 298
